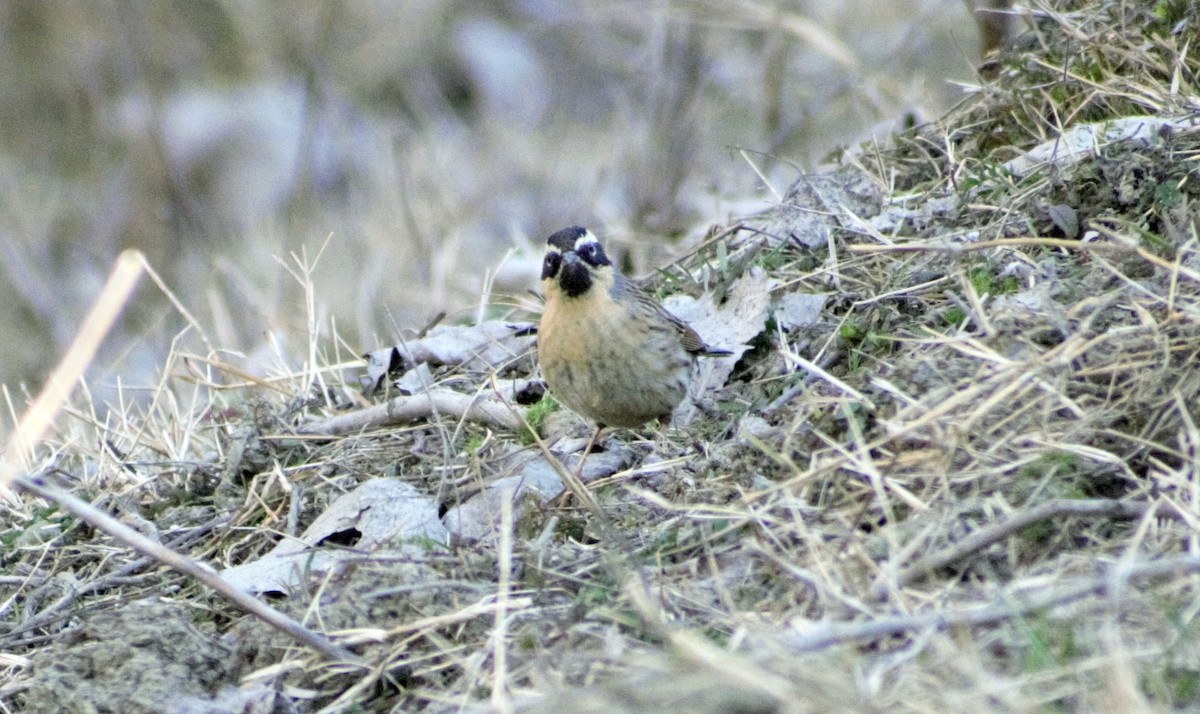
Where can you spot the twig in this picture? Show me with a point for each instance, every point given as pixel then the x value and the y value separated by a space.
pixel 1124 510
pixel 123 533
pixel 482 608
pixel 569 480
pixel 722 664
pixel 947 247
pixel 813 368
pixel 822 635
pixel 247 379
pixel 715 238
pixel 37 419
pixel 177 303
pixel 418 406
pixel 501 696
pixel 120 576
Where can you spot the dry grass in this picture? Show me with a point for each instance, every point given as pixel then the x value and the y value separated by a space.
pixel 972 485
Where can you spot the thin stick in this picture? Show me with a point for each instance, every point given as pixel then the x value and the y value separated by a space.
pixel 815 369
pixel 37 419
pixel 947 247
pixel 123 533
pixel 587 450
pixel 501 697
pixel 823 635
pixel 406 408
pixel 724 665
pixel 929 247
pixel 1124 510
pixel 176 302
pixel 569 480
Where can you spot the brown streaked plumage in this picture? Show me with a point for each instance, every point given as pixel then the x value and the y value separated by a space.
pixel 609 352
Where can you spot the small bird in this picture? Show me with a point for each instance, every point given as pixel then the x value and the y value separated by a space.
pixel 608 351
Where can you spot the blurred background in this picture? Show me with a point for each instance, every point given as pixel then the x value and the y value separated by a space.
pixel 421 148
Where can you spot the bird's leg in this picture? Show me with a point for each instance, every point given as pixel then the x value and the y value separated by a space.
pixel 661 441
pixel 562 498
pixel 587 450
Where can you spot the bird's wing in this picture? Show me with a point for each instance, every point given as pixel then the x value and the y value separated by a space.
pixel 688 337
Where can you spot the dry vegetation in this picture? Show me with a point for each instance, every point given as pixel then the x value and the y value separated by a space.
pixel 972 485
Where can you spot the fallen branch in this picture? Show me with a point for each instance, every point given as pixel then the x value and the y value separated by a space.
pixel 944 246
pixel 821 635
pixel 99 519
pixel 122 575
pixel 980 539
pixel 429 405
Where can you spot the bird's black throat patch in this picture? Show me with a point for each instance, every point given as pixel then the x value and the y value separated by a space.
pixel 574 278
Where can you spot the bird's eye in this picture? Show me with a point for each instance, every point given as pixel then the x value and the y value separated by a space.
pixel 592 254
pixel 550 265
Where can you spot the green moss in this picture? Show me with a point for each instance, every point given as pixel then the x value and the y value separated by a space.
pixel 954 316
pixel 865 340
pixel 527 641
pixel 535 416
pixel 593 595
pixel 1173 685
pixel 473 443
pixel 852 331
pixel 1039 533
pixel 1055 474
pixel 985 281
pixel 775 259
pixel 45 525
pixel 572 529
pixel 1171 13
pixel 1167 195
pixel 1049 644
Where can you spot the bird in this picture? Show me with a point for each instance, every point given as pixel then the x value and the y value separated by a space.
pixel 608 351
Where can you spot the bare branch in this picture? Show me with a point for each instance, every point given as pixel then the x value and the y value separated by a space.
pixel 398 410
pixel 123 533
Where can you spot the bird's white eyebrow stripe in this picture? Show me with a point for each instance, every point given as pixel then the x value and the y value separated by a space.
pixel 585 239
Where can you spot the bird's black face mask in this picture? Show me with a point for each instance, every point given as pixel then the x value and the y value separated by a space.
pixel 574 278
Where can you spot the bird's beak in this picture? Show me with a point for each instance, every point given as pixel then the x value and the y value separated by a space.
pixel 573 276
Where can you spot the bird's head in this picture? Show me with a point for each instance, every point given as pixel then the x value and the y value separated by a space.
pixel 575 263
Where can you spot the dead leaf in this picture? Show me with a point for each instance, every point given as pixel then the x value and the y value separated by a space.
pixel 731 326
pixel 381 515
pixel 475 347
pixel 813 206
pixel 799 310
pixel 478 518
